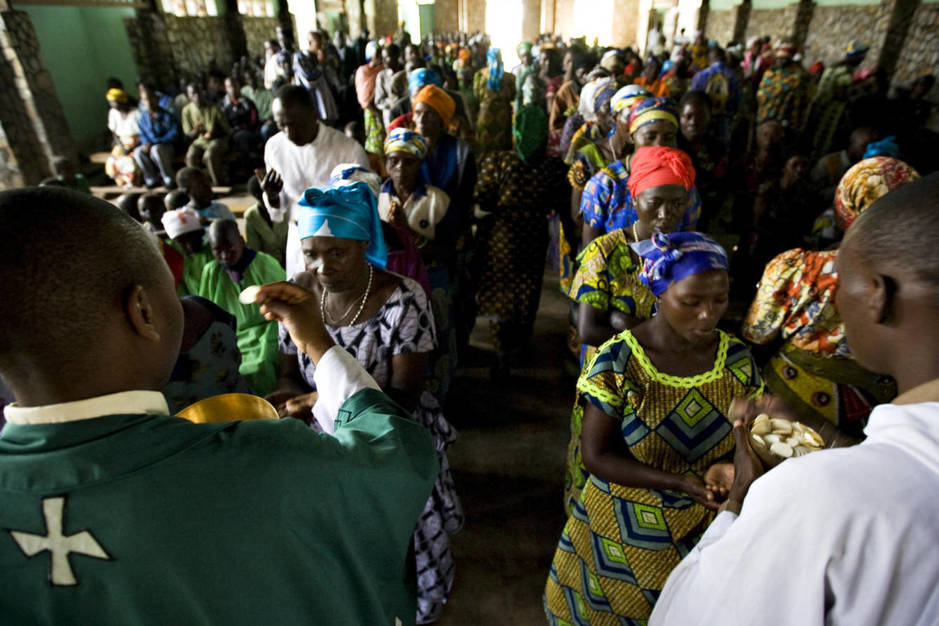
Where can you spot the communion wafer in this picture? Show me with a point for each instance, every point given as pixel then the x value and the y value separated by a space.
pixel 776 439
pixel 249 294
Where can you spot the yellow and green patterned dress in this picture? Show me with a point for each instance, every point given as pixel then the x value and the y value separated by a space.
pixel 620 543
pixel 607 279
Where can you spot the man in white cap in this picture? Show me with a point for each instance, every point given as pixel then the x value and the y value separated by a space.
pixel 184 228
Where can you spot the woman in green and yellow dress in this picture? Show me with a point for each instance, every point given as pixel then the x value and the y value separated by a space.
pixel 656 439
pixel 495 92
pixel 610 296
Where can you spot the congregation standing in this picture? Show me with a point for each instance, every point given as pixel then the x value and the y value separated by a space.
pixel 720 218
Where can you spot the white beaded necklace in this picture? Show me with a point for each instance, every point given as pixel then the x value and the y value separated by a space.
pixel 368 288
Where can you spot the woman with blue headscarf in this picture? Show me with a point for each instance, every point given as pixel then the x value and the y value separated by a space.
pixel 495 92
pixel 384 321
pixel 656 440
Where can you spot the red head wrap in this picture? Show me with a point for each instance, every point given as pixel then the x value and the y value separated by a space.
pixel 653 166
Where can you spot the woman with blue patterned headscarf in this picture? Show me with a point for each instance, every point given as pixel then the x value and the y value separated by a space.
pixel 384 320
pixel 655 441
pixel 495 91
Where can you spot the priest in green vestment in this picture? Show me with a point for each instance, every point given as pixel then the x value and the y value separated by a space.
pixel 236 267
pixel 113 511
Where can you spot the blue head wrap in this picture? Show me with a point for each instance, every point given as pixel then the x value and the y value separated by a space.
pixel 886 147
pixel 494 58
pixel 422 76
pixel 348 212
pixel 666 259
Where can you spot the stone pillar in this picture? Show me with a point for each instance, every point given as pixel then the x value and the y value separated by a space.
pixel 804 13
pixel 703 15
pixel 235 31
pixel 901 17
pixel 150 44
pixel 290 29
pixel 531 20
pixel 31 117
pixel 741 20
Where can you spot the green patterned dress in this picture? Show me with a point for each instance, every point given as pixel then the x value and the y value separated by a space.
pixel 620 543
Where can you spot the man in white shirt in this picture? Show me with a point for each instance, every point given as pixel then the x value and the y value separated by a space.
pixel 301 156
pixel 847 536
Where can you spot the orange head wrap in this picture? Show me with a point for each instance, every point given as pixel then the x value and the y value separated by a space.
pixel 437 99
pixel 653 166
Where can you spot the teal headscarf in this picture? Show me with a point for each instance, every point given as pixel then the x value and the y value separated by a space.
pixel 496 70
pixel 348 212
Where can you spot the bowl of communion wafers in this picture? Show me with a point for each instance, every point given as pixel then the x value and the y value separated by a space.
pixel 776 439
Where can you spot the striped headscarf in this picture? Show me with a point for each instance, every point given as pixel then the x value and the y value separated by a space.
pixel 346 174
pixel 866 182
pixel 626 97
pixel 652 110
pixel 407 141
pixel 668 258
pixel 594 95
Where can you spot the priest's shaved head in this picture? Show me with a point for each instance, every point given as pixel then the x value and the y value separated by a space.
pixel 90 305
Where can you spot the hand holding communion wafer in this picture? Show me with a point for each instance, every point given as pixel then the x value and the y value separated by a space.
pixel 297 309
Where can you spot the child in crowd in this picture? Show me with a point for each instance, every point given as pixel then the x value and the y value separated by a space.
pixel 265 230
pixel 151 208
pixel 198 187
pixel 184 228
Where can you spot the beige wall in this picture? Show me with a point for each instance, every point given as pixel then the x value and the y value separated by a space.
pixel 625 22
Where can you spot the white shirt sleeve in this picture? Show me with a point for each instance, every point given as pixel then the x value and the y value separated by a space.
pixel 338 377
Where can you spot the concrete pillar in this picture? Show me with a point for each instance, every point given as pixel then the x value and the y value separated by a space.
pixel 898 26
pixel 804 13
pixel 741 20
pixel 31 117
pixel 625 24
pixel 703 16
pixel 235 30
pixel 531 20
pixel 149 42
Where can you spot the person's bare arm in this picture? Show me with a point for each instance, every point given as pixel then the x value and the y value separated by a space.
pixel 407 378
pixel 605 455
pixel 594 326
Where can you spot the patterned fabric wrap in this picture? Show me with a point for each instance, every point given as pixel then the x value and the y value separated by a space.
pixel 668 258
pixel 496 70
pixel 620 543
pixel 653 166
pixel 439 100
pixel 594 95
pixel 346 174
pixel 868 181
pixel 421 77
pixel 855 49
pixel 652 110
pixel 530 131
pixel 404 140
pixel 348 212
pixel 116 95
pixel 627 96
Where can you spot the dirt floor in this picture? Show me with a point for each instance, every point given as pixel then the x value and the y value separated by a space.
pixel 508 465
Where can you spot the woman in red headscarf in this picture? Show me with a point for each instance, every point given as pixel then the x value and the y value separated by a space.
pixel 610 296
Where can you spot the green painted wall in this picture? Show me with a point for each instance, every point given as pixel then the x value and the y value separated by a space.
pixel 81 48
pixel 724 5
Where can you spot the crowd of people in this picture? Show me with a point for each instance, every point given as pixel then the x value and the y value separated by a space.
pixel 727 225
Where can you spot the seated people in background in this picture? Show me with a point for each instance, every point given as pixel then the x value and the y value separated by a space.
pixel 175 199
pixel 262 99
pixel 383 321
pixel 159 131
pixel 207 128
pixel 151 208
pixel 184 228
pixel 265 229
pixel 794 312
pixel 656 438
pixel 235 268
pixel 845 561
pixel 161 501
pixel 123 118
pixel 194 183
pixel 208 359
pixel 242 116
pixel 607 203
pixel 65 172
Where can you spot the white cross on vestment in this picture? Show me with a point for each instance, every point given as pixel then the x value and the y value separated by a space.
pixel 58 544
